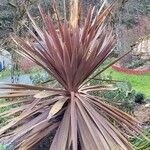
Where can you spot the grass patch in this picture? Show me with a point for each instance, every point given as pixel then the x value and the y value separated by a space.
pixel 140 83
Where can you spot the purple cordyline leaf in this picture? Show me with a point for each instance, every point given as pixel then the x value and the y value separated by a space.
pixel 105 127
pixel 74 121
pixel 62 132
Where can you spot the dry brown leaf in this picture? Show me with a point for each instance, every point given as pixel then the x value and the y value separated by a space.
pixel 56 107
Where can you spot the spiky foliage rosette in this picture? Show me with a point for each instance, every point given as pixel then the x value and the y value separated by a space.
pixel 70 52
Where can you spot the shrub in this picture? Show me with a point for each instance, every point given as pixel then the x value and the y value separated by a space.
pixel 135 64
pixel 141 143
pixel 4 147
pixel 26 65
pixel 139 98
pixel 122 97
pixel 71 52
pixel 39 78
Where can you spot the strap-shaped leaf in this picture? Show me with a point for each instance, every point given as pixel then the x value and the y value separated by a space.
pixel 70 52
pixel 45 94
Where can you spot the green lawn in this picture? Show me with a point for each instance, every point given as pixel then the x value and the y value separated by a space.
pixel 140 83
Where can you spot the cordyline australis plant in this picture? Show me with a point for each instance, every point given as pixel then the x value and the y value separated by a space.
pixel 70 52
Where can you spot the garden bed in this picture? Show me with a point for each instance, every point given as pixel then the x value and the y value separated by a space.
pixel 130 71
